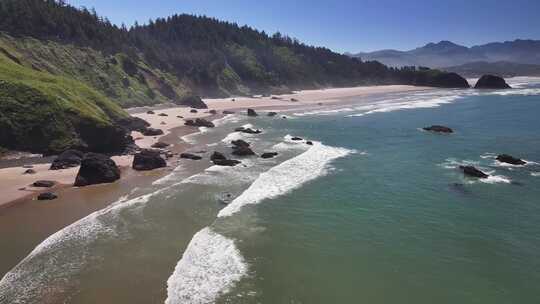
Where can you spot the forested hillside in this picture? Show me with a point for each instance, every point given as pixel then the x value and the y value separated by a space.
pixel 166 60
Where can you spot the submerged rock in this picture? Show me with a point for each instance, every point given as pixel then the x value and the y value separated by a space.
pixel 248 130
pixel 309 143
pixel 148 160
pixel 296 138
pixel 491 82
pixel 473 172
pixel 47 196
pixel 271 114
pixel 150 112
pixel 227 112
pixel 193 111
pixel 68 159
pixel 267 155
pixel 96 169
pixel 439 129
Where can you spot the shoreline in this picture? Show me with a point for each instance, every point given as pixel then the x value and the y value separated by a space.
pixel 17 184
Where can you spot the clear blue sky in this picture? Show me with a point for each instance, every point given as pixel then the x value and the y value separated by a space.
pixel 352 25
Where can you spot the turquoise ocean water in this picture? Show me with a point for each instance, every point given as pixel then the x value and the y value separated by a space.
pixel 375 211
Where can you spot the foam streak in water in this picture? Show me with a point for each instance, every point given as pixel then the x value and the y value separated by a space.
pixel 287 176
pixel 210 266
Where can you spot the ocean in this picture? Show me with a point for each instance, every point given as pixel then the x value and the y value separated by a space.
pixel 375 211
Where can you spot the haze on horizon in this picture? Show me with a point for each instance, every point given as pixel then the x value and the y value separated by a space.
pixel 349 25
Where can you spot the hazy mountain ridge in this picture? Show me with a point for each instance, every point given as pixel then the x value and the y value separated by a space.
pixel 447 54
pixel 499 68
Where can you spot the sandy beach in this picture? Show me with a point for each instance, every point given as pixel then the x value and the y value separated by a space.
pixel 17 186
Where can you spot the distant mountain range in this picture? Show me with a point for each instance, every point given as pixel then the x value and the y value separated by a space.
pixel 448 54
pixel 500 68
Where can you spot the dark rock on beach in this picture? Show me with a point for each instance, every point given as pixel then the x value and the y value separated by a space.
pixel 213 112
pixel 29 171
pixel 163 114
pixel 227 112
pixel 505 158
pixel 193 111
pixel 68 159
pixel 47 196
pixel 439 129
pixel 192 101
pixel 226 162
pixel 473 172
pixel 148 160
pixel 199 122
pixel 43 184
pixel 491 82
pixel 190 156
pixel 152 132
pixel 267 155
pixel 134 123
pixel 150 112
pixel 310 143
pixel 96 169
pixel 160 145
pixel 271 114
pixel 251 113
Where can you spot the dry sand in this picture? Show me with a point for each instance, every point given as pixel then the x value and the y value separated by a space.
pixel 16 185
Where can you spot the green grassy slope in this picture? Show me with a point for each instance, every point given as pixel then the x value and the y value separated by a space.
pixel 46 113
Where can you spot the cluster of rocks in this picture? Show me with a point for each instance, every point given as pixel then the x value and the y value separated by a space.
pixel 247 130
pixel 199 122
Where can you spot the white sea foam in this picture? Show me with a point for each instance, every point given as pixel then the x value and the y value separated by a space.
pixel 233 136
pixel 191 138
pixel 287 176
pixel 452 163
pixel 535 174
pixel 495 179
pixel 209 267
pixel 229 118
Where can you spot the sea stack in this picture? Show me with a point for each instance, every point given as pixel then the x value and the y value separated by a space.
pixel 491 82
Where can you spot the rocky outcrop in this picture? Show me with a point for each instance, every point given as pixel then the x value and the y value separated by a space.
pixel 152 132
pixel 438 79
pixel 309 143
pixel 251 113
pixel 491 82
pixel 220 160
pixel 199 122
pixel 247 130
pixel 134 123
pixel 47 196
pixel 473 172
pixel 148 160
pixel 68 159
pixel 267 155
pixel 191 101
pixel 240 143
pixel 242 151
pixel 96 169
pixel 439 129
pixel 190 156
pixel 505 158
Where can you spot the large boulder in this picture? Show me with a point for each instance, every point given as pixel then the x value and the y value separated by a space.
pixel 152 132
pixel 217 156
pixel 68 159
pixel 192 101
pixel 491 82
pixel 473 172
pixel 240 143
pixel 505 158
pixel 251 113
pixel 199 122
pixel 439 129
pixel 438 79
pixel 96 169
pixel 148 160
